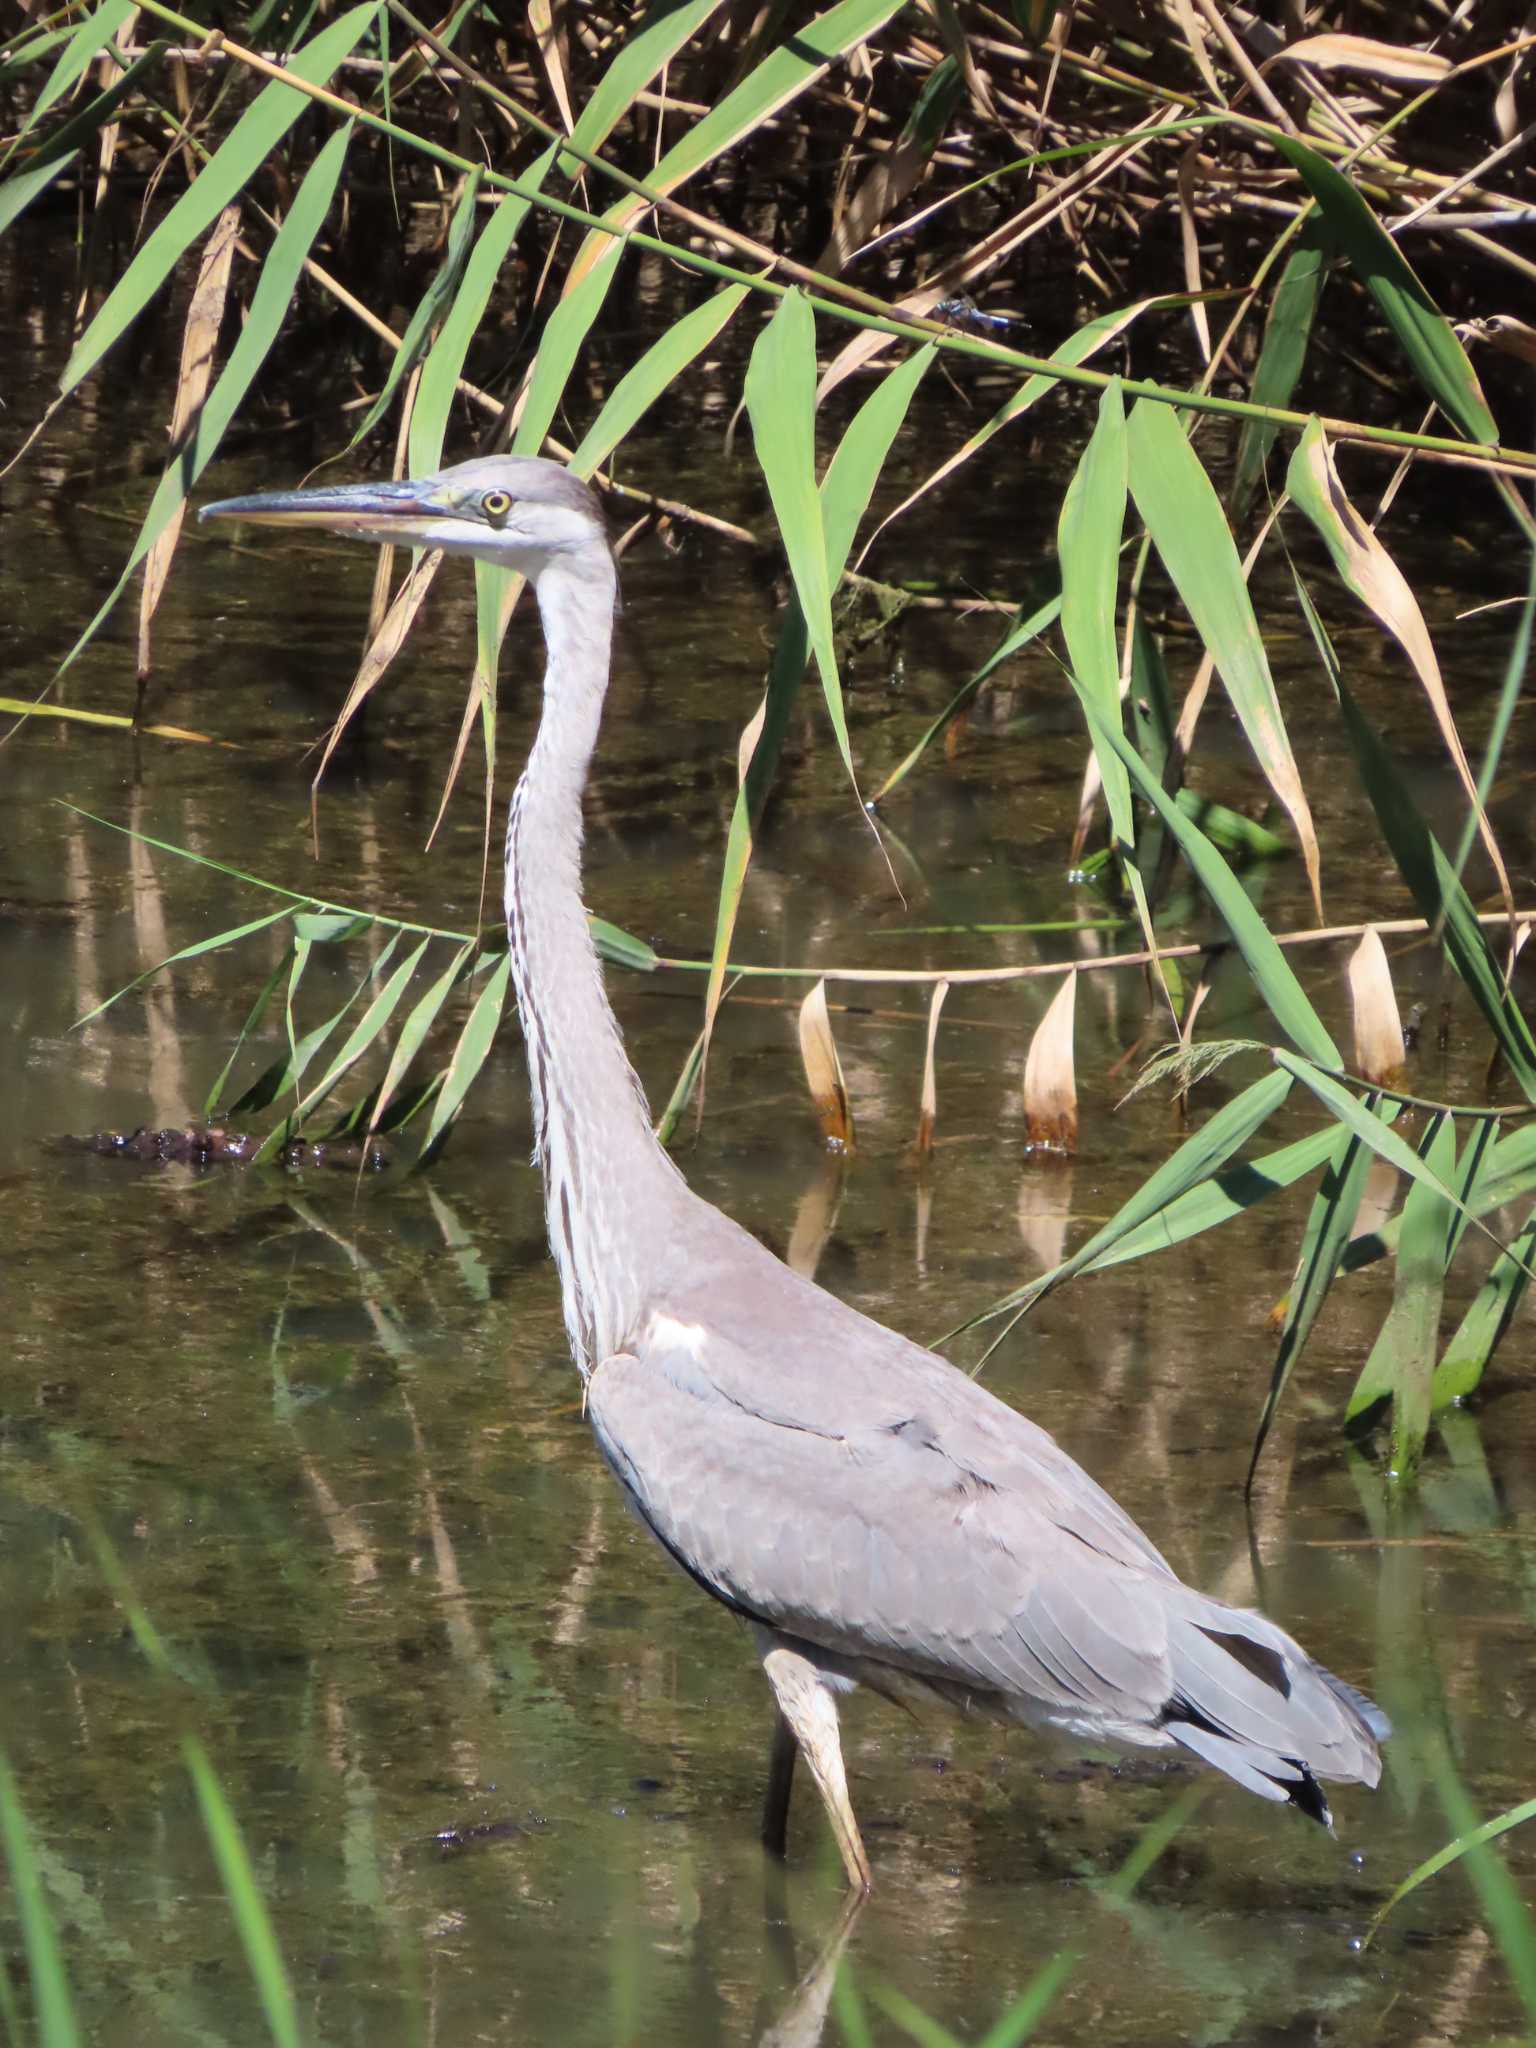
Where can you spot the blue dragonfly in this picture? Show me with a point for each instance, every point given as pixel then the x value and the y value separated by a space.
pixel 963 311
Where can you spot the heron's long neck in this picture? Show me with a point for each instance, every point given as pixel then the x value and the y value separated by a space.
pixel 607 1183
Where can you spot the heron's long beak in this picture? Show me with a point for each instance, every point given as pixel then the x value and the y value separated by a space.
pixel 368 511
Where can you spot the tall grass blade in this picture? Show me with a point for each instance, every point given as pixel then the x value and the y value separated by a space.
pixel 250 142
pixel 270 303
pixel 1017 637
pixel 646 51
pixel 1329 1223
pixel 40 1937
pixel 1370 573
pixel 85 43
pixel 780 78
pixel 430 309
pixel 645 381
pixel 469 1055
pixel 1425 335
pixel 1265 961
pixel 781 399
pixel 1189 530
pixel 246 1904
pixel 1481 1330
pixel 444 364
pixel 1402 1359
pixel 1287 332
pixel 413 1034
pixel 1476 1838
pixel 1429 875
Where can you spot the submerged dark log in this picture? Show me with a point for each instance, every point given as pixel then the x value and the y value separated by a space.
pixel 212 1145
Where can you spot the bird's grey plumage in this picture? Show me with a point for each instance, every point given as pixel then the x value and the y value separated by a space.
pixel 876 1516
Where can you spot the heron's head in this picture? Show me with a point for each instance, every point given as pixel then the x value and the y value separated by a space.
pixel 515 510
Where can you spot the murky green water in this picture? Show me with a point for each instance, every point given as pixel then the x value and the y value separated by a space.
pixel 498 1768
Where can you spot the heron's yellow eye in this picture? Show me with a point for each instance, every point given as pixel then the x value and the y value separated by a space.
pixel 496 505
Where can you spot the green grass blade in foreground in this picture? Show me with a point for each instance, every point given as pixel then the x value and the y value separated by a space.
pixel 1017 636
pixel 1344 1105
pixel 252 1024
pixel 18 192
pixel 1402 1359
pixel 1088 538
pixel 1475 1838
pixel 781 399
pixel 1503 1905
pixel 838 504
pixel 1268 965
pixel 65 142
pixel 86 41
pixel 1196 1160
pixel 367 1031
pixel 246 1904
pixel 1482 1328
pixel 859 457
pixel 414 1031
pixel 1287 331
pixel 475 1041
pixel 269 307
pixel 45 1967
pixel 444 366
pixel 1426 336
pixel 252 139
pixel 1509 696
pixel 230 938
pixel 1329 1224
pixel 646 52
pixel 1428 874
pixel 782 76
pixel 644 382
pixel 428 313
pixel 1183 515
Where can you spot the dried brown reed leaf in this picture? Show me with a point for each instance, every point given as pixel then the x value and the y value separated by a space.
pixel 1380 585
pixel 824 1071
pixel 381 650
pixel 1189 241
pixel 1050 1078
pixel 1379 1049
pixel 199 340
pixel 1395 61
pixel 927 1114
pixel 541 19
pixel 1504 332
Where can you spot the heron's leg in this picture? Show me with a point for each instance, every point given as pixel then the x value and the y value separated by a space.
pixel 781 1777
pixel 808 1710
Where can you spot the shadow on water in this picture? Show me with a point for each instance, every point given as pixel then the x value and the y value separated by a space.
pixel 498 1771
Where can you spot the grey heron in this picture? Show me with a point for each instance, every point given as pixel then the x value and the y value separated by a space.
pixel 873 1515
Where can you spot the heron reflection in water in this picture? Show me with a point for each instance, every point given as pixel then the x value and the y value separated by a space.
pixel 874 1516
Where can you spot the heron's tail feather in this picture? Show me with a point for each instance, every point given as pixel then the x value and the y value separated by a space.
pixel 1248 1699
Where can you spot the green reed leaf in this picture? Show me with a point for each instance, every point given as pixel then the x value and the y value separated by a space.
pixel 1287 333
pixel 250 142
pixel 270 304
pixel 247 1907
pixel 56 2026
pixel 440 373
pixel 1427 338
pixel 475 1041
pixel 1189 530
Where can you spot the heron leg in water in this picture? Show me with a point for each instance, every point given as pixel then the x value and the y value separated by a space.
pixel 807 1720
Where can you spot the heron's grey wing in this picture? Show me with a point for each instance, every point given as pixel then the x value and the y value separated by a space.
pixel 791 1352
pixel 877 1543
